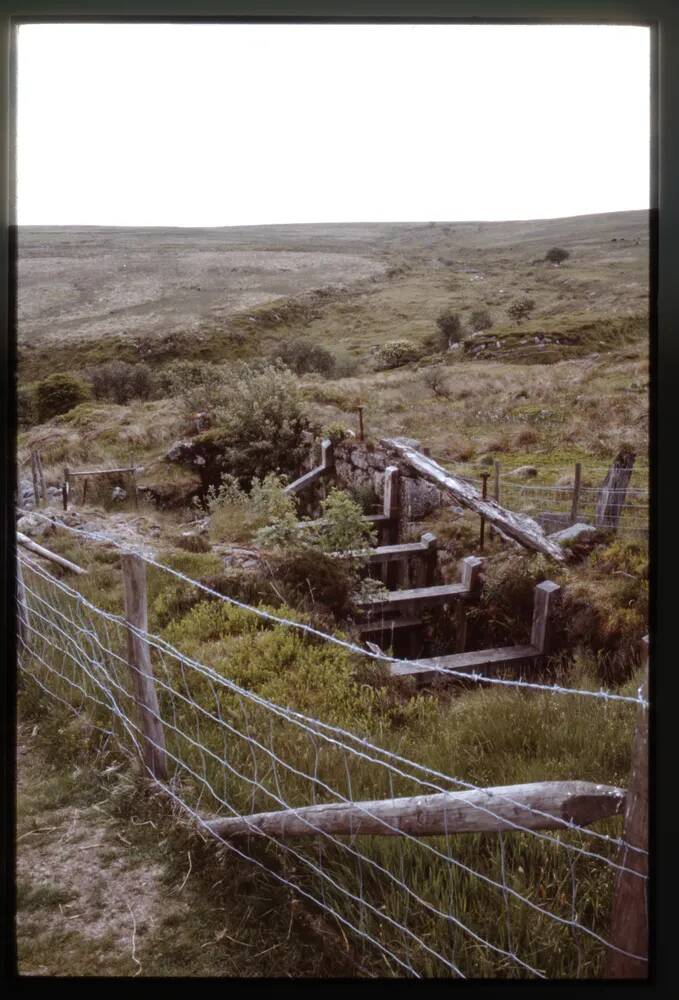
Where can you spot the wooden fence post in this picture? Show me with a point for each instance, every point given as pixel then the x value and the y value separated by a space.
pixel 576 492
pixel 545 596
pixel 67 487
pixel 431 557
pixel 34 476
pixel 484 494
pixel 139 660
pixel 41 475
pixel 629 924
pixel 613 490
pixel 471 579
pixel 390 504
pixel 361 435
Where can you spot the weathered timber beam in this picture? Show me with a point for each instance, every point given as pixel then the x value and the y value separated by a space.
pixel 440 668
pixel 519 527
pixel 32 546
pixel 99 472
pixel 488 810
pixel 308 479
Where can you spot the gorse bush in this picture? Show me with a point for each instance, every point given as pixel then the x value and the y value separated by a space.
pixel 27 412
pixel 59 393
pixel 557 255
pixel 120 382
pixel 395 353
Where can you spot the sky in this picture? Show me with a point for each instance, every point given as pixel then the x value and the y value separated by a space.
pixel 219 125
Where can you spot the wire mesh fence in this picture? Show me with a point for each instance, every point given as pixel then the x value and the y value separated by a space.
pixel 527 901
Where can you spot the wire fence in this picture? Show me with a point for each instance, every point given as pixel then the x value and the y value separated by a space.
pixel 522 902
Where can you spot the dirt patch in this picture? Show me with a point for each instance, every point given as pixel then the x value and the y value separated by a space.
pixel 77 876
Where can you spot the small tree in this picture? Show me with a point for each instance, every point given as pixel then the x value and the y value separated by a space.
pixel 450 328
pixel 481 320
pixel 304 356
pixel 556 255
pixel 59 393
pixel 520 309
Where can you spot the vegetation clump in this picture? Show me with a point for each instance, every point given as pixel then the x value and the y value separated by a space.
pixel 449 325
pixel 303 356
pixel 59 393
pixel 557 255
pixel 480 319
pixel 120 381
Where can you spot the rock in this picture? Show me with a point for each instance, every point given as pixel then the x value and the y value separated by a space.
pixel 421 497
pixel 201 422
pixel 34 526
pixel 524 472
pixel 118 494
pixel 551 521
pixel 575 532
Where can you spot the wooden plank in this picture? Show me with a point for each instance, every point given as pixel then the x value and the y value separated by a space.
pixel 479 659
pixel 629 925
pixel 520 527
pixel 430 597
pixel 308 479
pixel 99 472
pixel 34 476
pixel 487 810
pixel 327 454
pixel 139 661
pixel 39 550
pixel 546 594
pixel 388 625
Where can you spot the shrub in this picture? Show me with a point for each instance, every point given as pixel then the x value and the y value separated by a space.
pixel 450 328
pixel 59 393
pixel 520 309
pixel 344 527
pixel 480 320
pixel 434 379
pixel 120 382
pixel 303 356
pixel 396 353
pixel 556 255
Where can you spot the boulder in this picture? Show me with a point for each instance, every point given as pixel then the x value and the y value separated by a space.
pixel 118 494
pixel 524 472
pixel 574 533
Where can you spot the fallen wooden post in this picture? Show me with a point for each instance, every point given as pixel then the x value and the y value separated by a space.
pixel 487 810
pixel 28 543
pixel 519 527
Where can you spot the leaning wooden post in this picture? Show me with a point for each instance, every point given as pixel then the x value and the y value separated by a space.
pixel 629 925
pixel 471 581
pixel 361 436
pixel 139 660
pixel 546 594
pixel 67 487
pixel 576 492
pixel 430 557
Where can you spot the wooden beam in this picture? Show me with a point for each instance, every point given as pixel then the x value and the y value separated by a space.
pixel 629 925
pixel 308 479
pixel 488 810
pixel 139 661
pixel 28 543
pixel 520 527
pixel 470 662
pixel 420 597
pixel 99 472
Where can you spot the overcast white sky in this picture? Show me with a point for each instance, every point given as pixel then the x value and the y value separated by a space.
pixel 214 125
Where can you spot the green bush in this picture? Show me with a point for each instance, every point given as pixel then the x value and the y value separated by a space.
pixel 557 255
pixel 59 393
pixel 303 356
pixel 395 353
